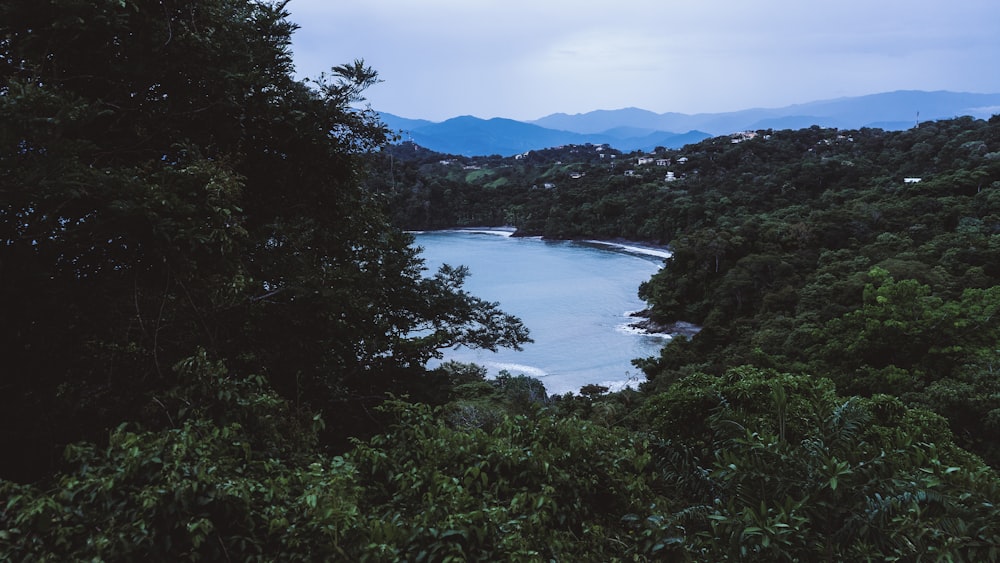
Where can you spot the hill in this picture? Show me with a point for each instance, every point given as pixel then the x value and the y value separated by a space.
pixel 780 240
pixel 889 110
pixel 630 129
pixel 471 136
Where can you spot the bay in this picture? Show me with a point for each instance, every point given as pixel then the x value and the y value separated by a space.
pixel 573 296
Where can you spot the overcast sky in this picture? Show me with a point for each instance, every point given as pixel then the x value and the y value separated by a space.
pixel 524 59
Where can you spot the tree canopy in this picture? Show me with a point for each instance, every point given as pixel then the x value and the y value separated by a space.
pixel 216 336
pixel 169 187
pixel 811 250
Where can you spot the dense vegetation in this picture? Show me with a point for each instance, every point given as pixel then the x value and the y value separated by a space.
pixel 813 250
pixel 215 338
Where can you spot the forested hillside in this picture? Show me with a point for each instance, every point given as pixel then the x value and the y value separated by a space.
pixel 867 256
pixel 216 331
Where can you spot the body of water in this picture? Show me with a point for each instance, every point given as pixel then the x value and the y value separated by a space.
pixel 573 296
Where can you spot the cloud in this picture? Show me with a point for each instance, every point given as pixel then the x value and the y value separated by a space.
pixel 524 59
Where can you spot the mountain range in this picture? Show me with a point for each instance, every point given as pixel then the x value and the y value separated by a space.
pixel 633 128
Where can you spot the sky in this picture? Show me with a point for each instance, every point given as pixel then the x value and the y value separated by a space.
pixel 525 59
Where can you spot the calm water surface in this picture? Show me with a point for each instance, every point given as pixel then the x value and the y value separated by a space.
pixel 574 297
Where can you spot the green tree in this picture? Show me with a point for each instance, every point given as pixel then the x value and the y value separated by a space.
pixel 778 467
pixel 532 488
pixel 167 185
pixel 902 324
pixel 234 478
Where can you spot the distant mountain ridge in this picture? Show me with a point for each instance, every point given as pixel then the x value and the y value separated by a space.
pixel 471 136
pixel 634 128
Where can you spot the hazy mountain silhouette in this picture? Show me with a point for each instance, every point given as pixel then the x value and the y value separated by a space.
pixel 895 110
pixel 633 128
pixel 472 136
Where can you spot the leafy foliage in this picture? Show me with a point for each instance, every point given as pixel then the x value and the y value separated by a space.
pixel 207 311
pixel 521 491
pixel 800 474
pixel 232 479
pixel 168 186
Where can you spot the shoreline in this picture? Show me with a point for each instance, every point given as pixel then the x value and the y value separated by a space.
pixel 628 337
pixel 672 330
pixel 645 326
pixel 643 248
pixel 498 231
pixel 631 247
